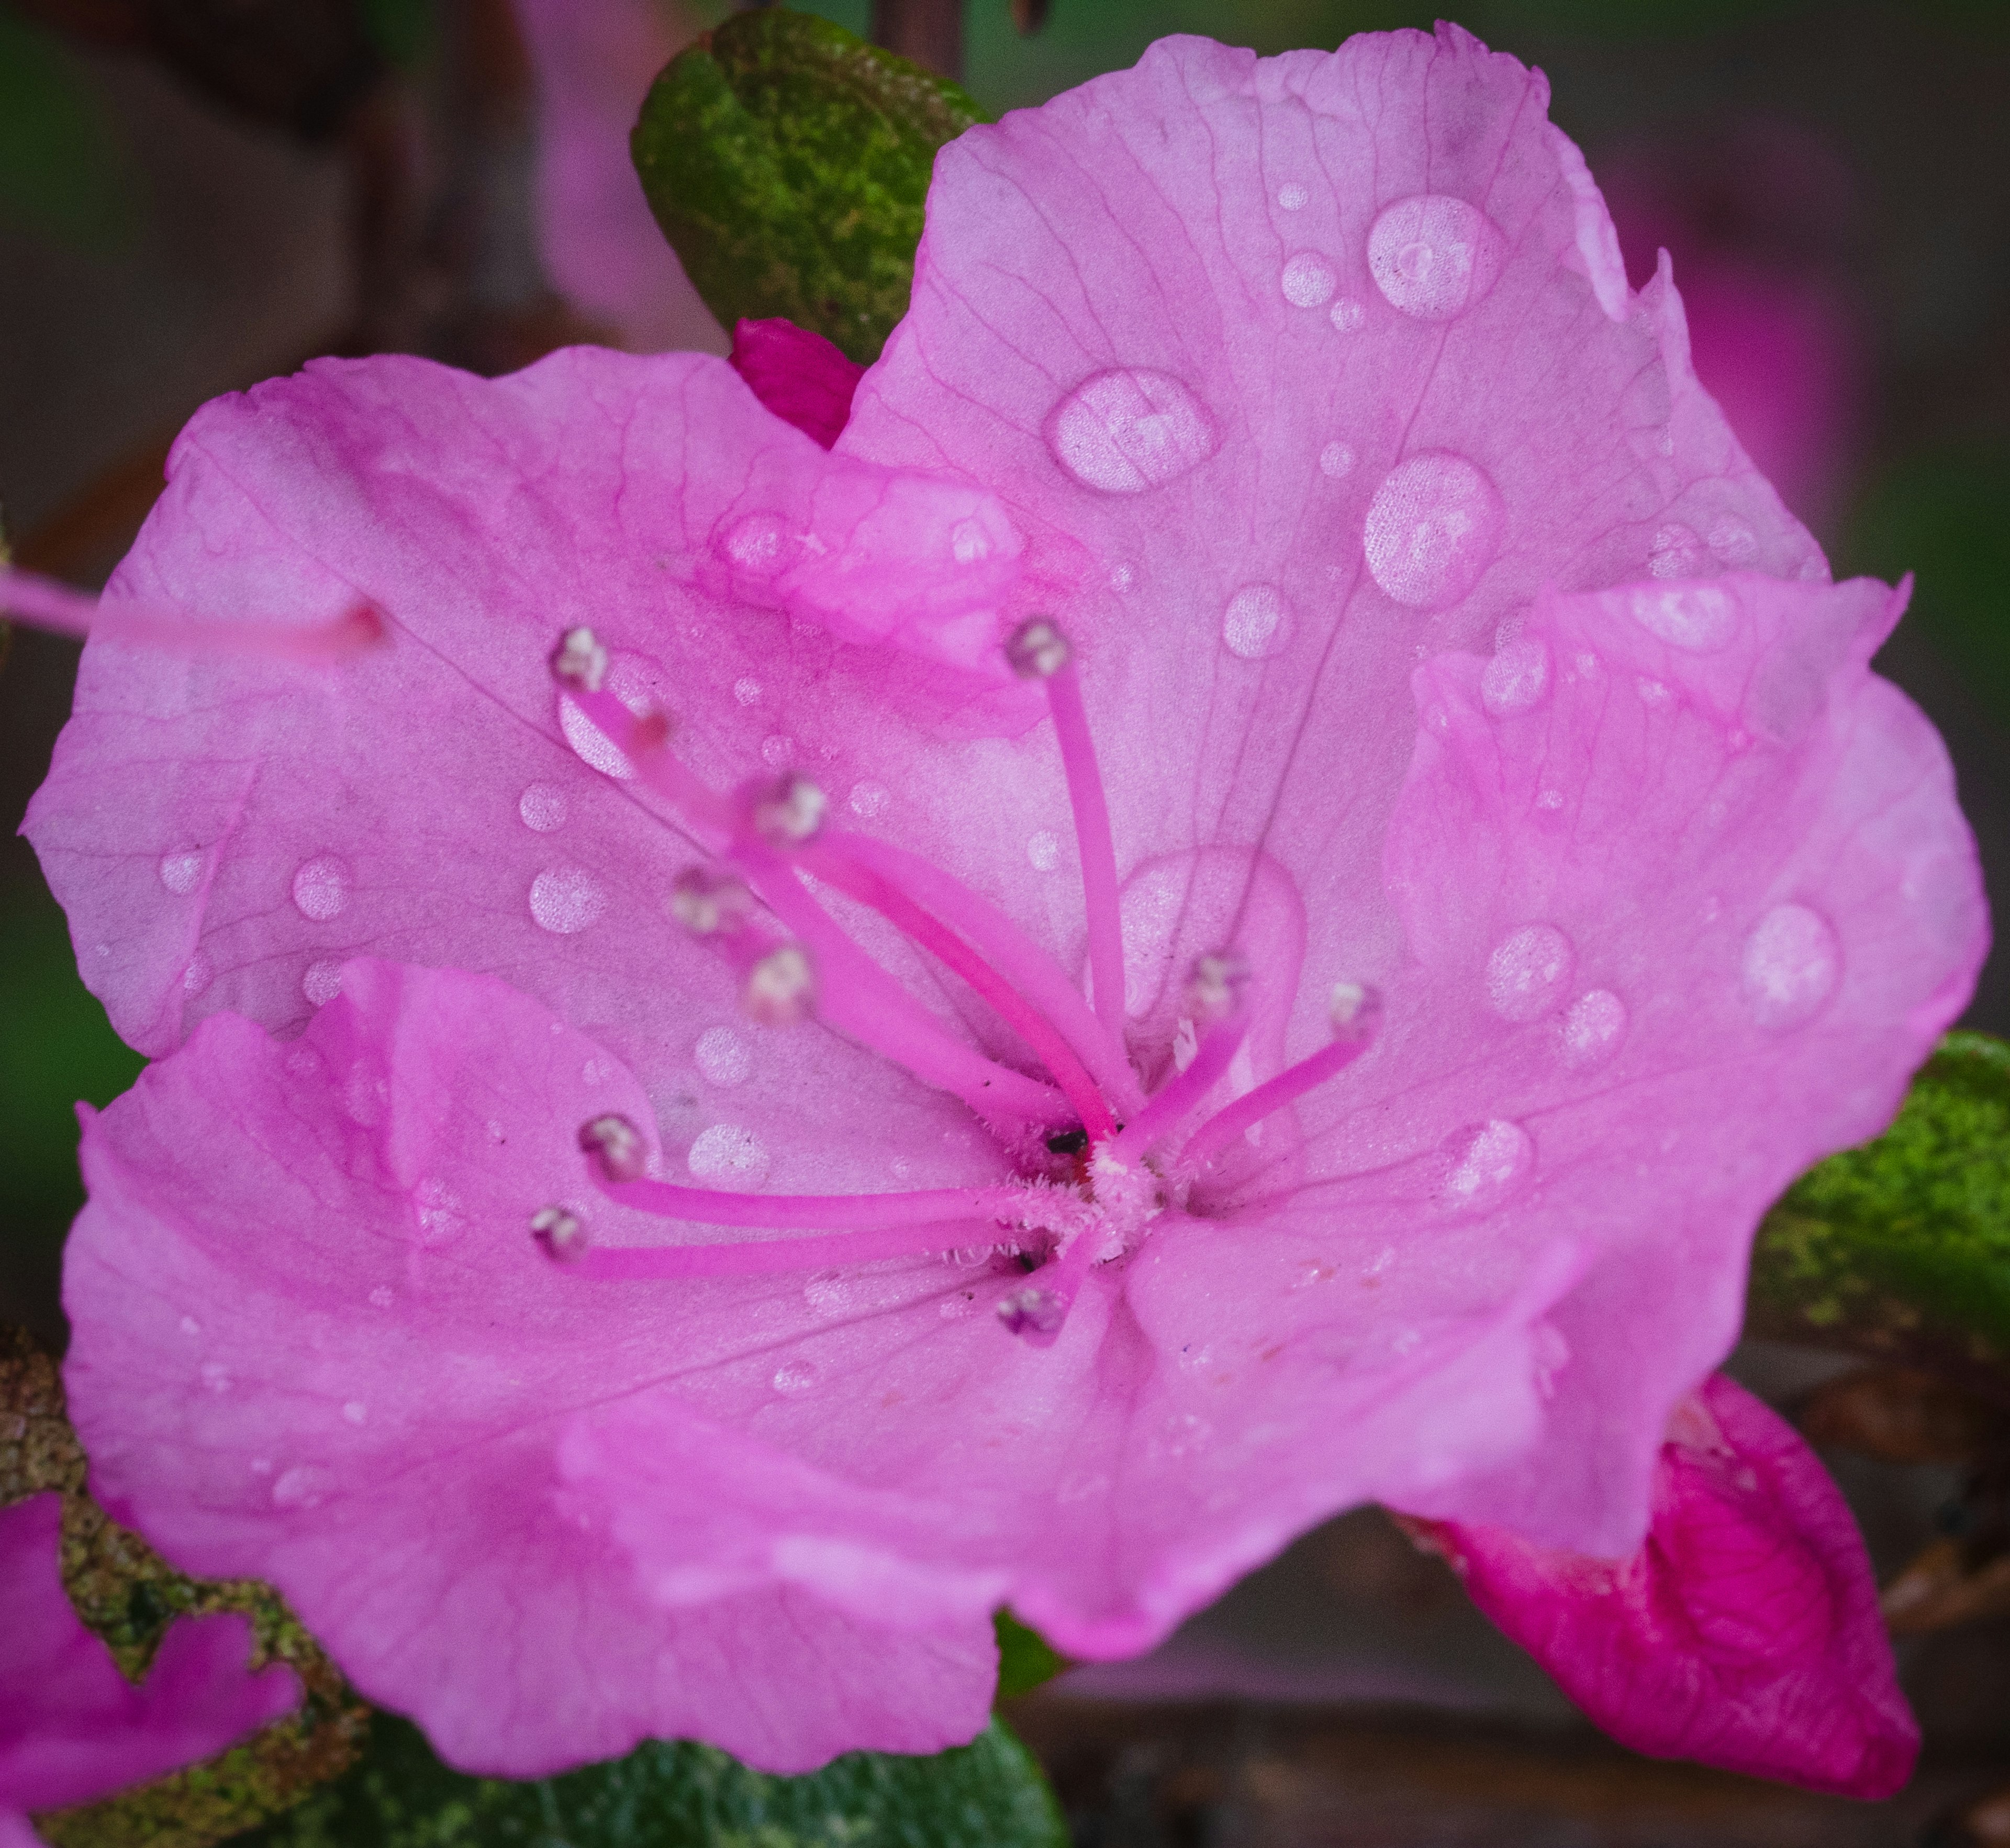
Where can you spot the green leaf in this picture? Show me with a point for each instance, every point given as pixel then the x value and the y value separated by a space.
pixel 787 162
pixel 1901 1248
pixel 1026 1659
pixel 987 1794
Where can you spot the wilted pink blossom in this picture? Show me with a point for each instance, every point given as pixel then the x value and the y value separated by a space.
pixel 72 1729
pixel 1235 905
pixel 1744 1631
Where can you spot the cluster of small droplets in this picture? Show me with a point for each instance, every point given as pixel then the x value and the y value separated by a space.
pixel 789 812
pixel 1355 1010
pixel 558 1230
pixel 781 987
pixel 1037 650
pixel 1033 1310
pixel 709 903
pixel 1216 988
pixel 617 1145
pixel 579 660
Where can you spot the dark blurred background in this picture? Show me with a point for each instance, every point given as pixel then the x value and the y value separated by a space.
pixel 196 194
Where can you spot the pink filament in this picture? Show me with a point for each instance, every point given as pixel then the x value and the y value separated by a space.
pixel 823 1212
pixel 644 740
pixel 48 604
pixel 764 1257
pixel 1225 1125
pixel 830 858
pixel 1175 1101
pixel 1098 851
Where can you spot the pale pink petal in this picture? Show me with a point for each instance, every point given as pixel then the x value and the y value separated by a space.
pixel 595 60
pixel 798 374
pixel 72 1729
pixel 1745 1633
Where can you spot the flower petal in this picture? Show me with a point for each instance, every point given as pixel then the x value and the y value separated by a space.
pixel 1745 1633
pixel 797 375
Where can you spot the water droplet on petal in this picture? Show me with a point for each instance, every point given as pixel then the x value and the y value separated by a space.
pixel 1257 622
pixel 1485 1165
pixel 793 1377
pixel 746 690
pixel 565 899
pixel 723 1056
pixel 1308 280
pixel 1044 850
pixel 198 973
pixel 1516 678
pixel 303 1486
pixel 1336 461
pixel 1433 528
pixel 181 872
pixel 1792 963
pixel 1122 577
pixel 1126 431
pixel 320 887
pixel 381 1297
pixel 1697 618
pixel 355 1411
pixel 190 1325
pixel 726 1153
pixel 1433 256
pixel 754 544
pixel 322 983
pixel 869 799
pixel 1526 973
pixel 1347 314
pixel 1733 542
pixel 1590 1034
pixel 1676 552
pixel 541 808
pixel 1292 196
pixel 437 1211
pixel 215 1375
pixel 829 1293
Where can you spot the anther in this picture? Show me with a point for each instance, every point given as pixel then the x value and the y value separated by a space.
pixel 789 811
pixel 707 902
pixel 1356 1010
pixel 579 660
pixel 1037 650
pixel 558 1231
pixel 1216 988
pixel 1032 1310
pixel 781 987
pixel 617 1145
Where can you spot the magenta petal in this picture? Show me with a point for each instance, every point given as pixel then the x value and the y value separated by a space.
pixel 72 1729
pixel 1745 1633
pixel 798 374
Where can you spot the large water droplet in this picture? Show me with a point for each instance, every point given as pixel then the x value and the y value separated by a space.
pixel 320 887
pixel 794 1378
pixel 729 1154
pixel 723 1056
pixel 1590 1032
pixel 1044 850
pixel 566 899
pixel 1791 962
pixel 541 808
pixel 322 982
pixel 1433 256
pixel 1257 622
pixel 305 1485
pixel 181 872
pixel 1485 1164
pixel 1336 461
pixel 1292 196
pixel 1697 618
pixel 1308 280
pixel 1125 431
pixel 1526 973
pixel 1516 678
pixel 1433 528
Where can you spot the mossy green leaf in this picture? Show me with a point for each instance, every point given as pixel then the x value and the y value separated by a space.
pixel 1026 1659
pixel 987 1794
pixel 1901 1248
pixel 788 161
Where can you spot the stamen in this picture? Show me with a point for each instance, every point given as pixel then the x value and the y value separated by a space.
pixel 832 861
pixel 1034 1311
pixel 43 603
pixel 617 1147
pixel 1216 989
pixel 709 903
pixel 781 988
pixel 788 812
pixel 1038 650
pixel 558 1231
pixel 1356 1012
pixel 1176 1100
pixel 825 1212
pixel 762 1257
pixel 580 661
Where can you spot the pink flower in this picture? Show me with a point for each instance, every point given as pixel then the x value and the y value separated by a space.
pixel 1433 1072
pixel 72 1729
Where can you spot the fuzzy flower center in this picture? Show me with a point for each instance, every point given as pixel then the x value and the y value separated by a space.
pixel 1097 1160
